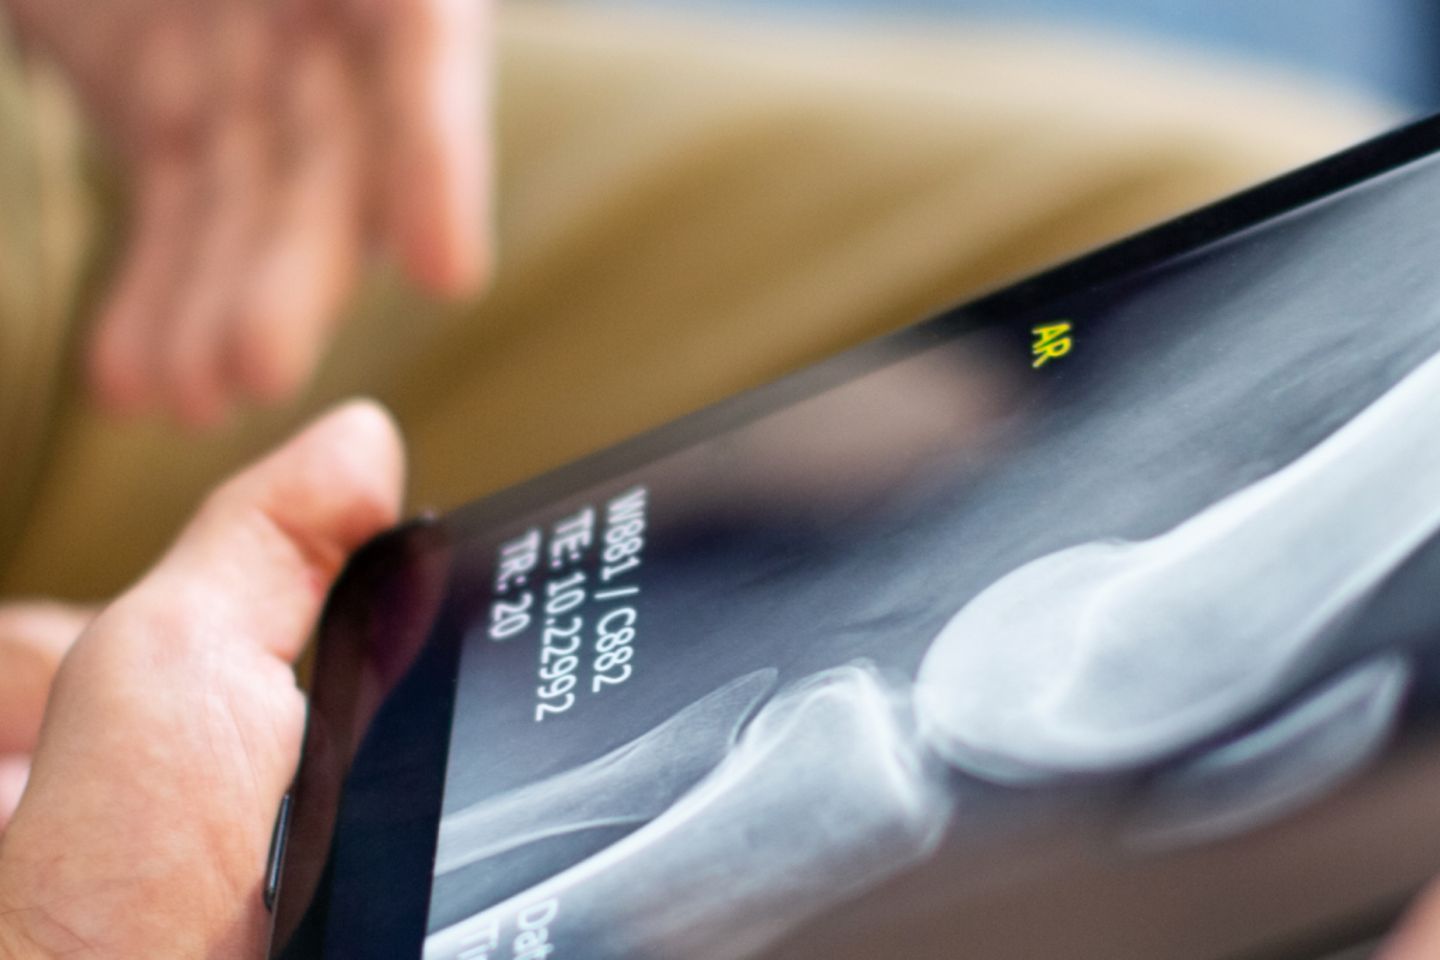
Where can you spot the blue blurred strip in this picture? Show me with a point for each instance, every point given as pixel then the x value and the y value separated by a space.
pixel 1389 48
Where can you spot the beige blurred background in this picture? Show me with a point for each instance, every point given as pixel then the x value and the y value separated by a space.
pixel 690 200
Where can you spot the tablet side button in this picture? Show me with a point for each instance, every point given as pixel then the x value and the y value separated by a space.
pixel 277 852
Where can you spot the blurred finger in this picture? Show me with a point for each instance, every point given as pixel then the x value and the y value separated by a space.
pixel 33 641
pixel 239 166
pixel 123 363
pixel 435 76
pixel 167 110
pixel 309 260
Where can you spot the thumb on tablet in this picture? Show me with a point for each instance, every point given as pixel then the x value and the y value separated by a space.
pixel 174 724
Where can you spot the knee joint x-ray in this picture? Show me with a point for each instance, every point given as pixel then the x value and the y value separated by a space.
pixel 1174 591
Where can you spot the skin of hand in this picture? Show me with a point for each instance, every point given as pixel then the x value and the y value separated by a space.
pixel 174 722
pixel 33 640
pixel 1419 937
pixel 271 144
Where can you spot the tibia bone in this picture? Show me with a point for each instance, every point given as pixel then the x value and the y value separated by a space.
pixel 632 784
pixel 823 797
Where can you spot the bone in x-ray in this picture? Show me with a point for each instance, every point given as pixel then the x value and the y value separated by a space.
pixel 1262 775
pixel 633 784
pixel 1097 659
pixel 1114 655
pixel 822 798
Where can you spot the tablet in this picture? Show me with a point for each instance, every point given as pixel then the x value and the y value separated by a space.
pixel 1097 618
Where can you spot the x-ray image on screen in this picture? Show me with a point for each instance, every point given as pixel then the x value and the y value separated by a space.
pixel 1109 616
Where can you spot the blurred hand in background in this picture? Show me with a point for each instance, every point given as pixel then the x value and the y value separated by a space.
pixel 271 144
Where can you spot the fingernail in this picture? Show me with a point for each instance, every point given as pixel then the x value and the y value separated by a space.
pixel 14 775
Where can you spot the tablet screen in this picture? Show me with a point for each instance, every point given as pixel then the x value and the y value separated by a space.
pixel 1110 628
